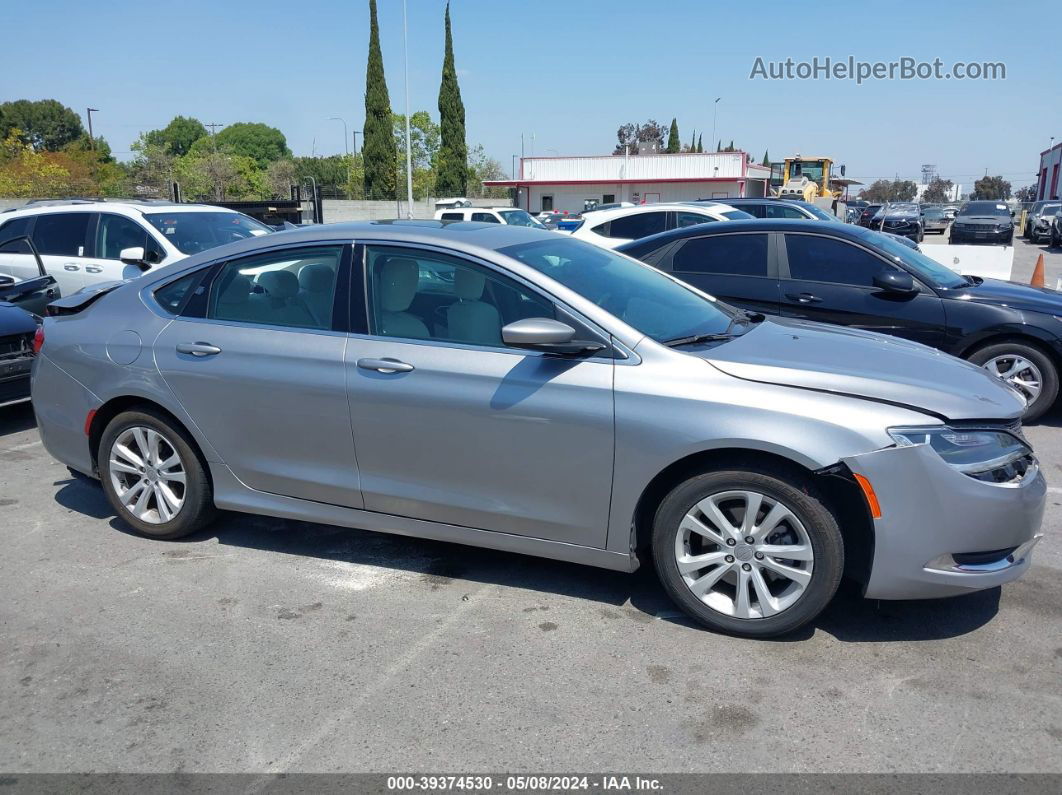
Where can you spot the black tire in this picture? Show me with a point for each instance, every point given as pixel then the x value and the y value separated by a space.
pixel 197 509
pixel 776 483
pixel 1048 372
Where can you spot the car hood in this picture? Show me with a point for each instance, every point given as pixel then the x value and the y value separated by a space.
pixel 866 365
pixel 1015 295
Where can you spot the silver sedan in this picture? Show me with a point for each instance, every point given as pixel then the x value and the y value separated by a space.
pixel 516 389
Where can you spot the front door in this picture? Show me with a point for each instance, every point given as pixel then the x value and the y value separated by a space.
pixel 452 426
pixel 832 281
pixel 261 373
pixel 113 234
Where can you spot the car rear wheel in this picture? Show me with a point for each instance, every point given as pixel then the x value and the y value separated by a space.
pixel 153 477
pixel 748 552
pixel 1025 368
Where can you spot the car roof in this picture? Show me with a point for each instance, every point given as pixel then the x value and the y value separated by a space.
pixel 127 207
pixel 846 231
pixel 621 212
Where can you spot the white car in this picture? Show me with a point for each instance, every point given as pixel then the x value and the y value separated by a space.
pixel 513 216
pixel 84 242
pixel 611 228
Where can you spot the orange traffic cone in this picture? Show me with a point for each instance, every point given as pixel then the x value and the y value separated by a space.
pixel 1038 273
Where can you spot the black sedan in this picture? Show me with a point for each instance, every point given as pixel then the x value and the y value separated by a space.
pixel 22 301
pixel 838 273
pixel 983 222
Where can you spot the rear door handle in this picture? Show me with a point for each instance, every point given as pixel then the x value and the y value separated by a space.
pixel 71 267
pixel 803 298
pixel 385 365
pixel 198 348
pixel 93 269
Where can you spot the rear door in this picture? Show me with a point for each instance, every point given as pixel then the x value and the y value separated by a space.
pixel 736 267
pixel 16 258
pixel 832 281
pixel 256 359
pixel 63 242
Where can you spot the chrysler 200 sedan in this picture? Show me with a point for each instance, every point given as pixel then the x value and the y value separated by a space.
pixel 521 390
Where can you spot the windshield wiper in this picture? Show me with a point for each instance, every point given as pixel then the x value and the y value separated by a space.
pixel 695 338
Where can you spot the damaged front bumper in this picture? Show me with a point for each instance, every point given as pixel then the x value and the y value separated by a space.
pixel 941 532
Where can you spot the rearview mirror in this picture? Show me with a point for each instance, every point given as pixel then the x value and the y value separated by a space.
pixel 546 334
pixel 893 281
pixel 134 255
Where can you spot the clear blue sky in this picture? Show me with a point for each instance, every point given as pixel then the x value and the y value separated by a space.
pixel 569 72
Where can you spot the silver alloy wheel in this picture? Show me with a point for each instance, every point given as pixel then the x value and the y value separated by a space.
pixel 744 554
pixel 1019 372
pixel 147 474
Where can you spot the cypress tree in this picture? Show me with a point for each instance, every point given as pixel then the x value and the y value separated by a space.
pixel 700 142
pixel 452 174
pixel 766 159
pixel 378 150
pixel 693 142
pixel 719 146
pixel 673 144
pixel 731 147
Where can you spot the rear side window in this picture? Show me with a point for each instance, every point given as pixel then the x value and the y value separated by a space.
pixel 684 219
pixel 172 296
pixel 62 234
pixel 824 259
pixel 740 255
pixel 634 226
pixel 452 217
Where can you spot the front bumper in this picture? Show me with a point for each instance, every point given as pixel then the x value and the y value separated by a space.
pixel 942 533
pixel 980 235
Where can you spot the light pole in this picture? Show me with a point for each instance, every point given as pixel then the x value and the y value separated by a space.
pixel 355 133
pixel 409 149
pixel 92 139
pixel 346 147
pixel 715 113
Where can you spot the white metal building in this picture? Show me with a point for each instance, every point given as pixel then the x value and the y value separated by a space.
pixel 568 183
pixel 1047 185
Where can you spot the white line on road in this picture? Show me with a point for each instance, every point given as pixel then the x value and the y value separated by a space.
pixel 20 447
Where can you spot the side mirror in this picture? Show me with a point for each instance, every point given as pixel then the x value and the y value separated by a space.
pixel 546 334
pixel 894 281
pixel 6 281
pixel 135 256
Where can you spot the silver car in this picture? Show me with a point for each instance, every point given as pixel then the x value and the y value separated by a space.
pixel 521 390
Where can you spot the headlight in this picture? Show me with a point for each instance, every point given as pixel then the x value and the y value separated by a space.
pixel 990 455
pixel 1002 227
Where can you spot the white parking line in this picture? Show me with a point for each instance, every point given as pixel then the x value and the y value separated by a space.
pixel 20 446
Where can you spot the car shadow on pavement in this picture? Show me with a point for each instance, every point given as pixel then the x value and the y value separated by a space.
pixel 16 418
pixel 637 597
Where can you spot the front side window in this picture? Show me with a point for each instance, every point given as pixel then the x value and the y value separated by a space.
pixel 518 218
pixel 423 295
pixel 116 232
pixel 783 211
pixel 486 218
pixel 635 226
pixel 61 234
pixel 740 255
pixel 639 295
pixel 191 232
pixel 283 288
pixel 684 218
pixel 824 259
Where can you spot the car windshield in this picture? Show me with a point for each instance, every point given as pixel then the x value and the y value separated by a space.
pixel 191 232
pixel 933 212
pixel 1051 209
pixel 926 269
pixel 902 209
pixel 518 218
pixel 639 295
pixel 985 208
pixel 737 215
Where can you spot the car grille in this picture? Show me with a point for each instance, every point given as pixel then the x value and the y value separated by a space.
pixel 16 347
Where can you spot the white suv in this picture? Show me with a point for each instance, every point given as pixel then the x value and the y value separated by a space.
pixel 611 228
pixel 83 242
pixel 513 216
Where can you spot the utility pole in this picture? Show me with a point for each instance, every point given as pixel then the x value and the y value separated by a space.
pixel 213 125
pixel 346 147
pixel 355 134
pixel 409 149
pixel 715 114
pixel 92 138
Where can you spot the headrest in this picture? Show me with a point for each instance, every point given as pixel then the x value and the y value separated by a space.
pixel 468 284
pixel 236 291
pixel 316 278
pixel 279 284
pixel 398 283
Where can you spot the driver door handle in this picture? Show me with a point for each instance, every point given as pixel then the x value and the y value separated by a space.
pixel 803 298
pixel 198 348
pixel 385 365
pixel 71 267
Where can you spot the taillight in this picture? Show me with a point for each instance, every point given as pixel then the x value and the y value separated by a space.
pixel 38 339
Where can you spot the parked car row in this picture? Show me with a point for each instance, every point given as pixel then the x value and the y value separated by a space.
pixel 519 389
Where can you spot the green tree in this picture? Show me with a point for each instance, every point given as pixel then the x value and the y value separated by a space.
pixel 46 124
pixel 378 149
pixel 152 168
pixel 279 177
pixel 178 136
pixel 885 190
pixel 719 146
pixel 700 143
pixel 452 169
pixel 482 168
pixel 220 176
pixel 260 142
pixel 1026 194
pixel 673 145
pixel 631 134
pixel 693 142
pixel 991 188
pixel 937 191
pixel 766 158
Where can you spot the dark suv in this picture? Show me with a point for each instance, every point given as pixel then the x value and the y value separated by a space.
pixel 983 222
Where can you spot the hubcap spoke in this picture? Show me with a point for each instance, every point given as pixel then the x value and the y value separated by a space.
pixel 715 514
pixel 799 576
pixel 771 521
pixel 129 455
pixel 702 585
pixel 767 603
pixel 753 501
pixel 1019 372
pixel 692 563
pixel 121 466
pixel 695 525
pixel 786 552
pixel 129 496
pixel 743 606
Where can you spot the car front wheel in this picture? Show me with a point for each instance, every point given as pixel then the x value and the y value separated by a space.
pixel 153 477
pixel 1025 368
pixel 749 552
